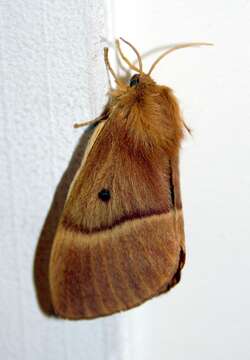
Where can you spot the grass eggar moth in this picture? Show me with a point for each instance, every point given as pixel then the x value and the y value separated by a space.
pixel 120 240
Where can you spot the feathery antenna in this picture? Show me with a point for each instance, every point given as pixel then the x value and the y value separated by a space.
pixel 181 46
pixel 132 66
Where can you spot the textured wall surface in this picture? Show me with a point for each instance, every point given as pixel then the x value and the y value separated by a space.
pixel 52 75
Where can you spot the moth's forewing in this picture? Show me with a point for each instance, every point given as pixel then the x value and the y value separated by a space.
pixel 112 255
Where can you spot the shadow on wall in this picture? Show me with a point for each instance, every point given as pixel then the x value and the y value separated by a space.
pixel 43 250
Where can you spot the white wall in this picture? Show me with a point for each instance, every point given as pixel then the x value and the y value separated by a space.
pixel 207 316
pixel 51 75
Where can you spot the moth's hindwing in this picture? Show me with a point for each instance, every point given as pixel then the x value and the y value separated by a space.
pixel 120 240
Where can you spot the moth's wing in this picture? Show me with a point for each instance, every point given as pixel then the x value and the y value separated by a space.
pixel 112 255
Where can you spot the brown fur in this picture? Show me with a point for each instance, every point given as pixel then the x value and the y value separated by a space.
pixel 111 256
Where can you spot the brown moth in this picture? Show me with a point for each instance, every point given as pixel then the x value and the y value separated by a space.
pixel 120 240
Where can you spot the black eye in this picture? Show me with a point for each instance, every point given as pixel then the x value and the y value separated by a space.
pixel 134 80
pixel 104 195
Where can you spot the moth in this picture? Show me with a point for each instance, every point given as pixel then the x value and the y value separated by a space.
pixel 120 239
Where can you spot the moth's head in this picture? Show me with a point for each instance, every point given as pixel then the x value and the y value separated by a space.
pixel 139 88
pixel 140 81
pixel 147 111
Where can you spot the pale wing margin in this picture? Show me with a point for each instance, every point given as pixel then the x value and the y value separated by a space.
pixel 91 142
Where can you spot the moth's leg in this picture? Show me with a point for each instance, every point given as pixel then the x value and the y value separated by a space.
pixel 103 116
pixel 85 123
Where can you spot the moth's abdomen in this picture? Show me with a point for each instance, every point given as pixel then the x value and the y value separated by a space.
pixel 108 271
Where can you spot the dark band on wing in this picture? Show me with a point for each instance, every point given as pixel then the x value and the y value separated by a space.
pixel 70 225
